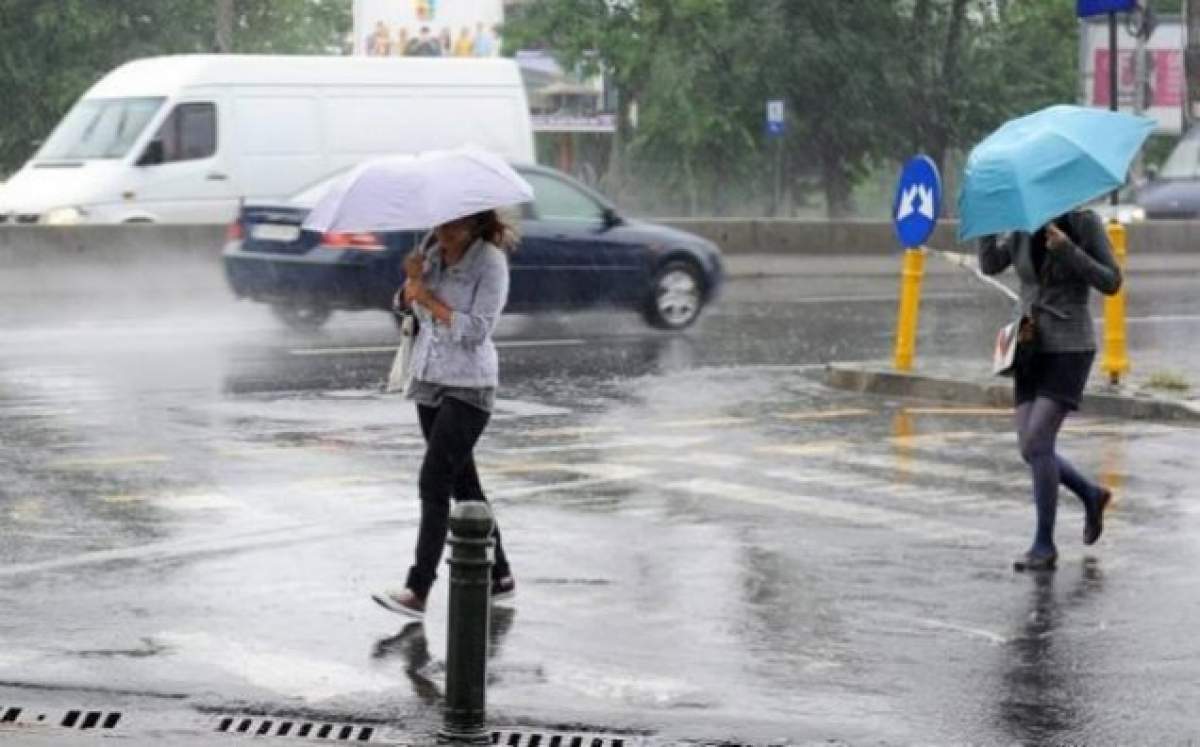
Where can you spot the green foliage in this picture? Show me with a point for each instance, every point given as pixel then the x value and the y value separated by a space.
pixel 865 82
pixel 51 51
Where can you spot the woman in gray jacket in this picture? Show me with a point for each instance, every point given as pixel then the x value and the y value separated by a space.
pixel 457 289
pixel 1057 266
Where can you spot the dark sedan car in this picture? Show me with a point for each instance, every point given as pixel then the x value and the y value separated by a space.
pixel 1175 192
pixel 576 252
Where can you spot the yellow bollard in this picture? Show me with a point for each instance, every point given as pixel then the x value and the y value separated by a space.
pixel 1116 356
pixel 910 308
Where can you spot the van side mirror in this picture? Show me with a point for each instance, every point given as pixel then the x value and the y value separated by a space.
pixel 611 218
pixel 154 154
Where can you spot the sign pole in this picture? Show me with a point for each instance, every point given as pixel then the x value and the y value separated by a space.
pixel 908 319
pixel 915 213
pixel 776 128
pixel 1114 62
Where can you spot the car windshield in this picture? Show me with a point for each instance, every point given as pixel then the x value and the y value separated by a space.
pixel 1184 162
pixel 100 128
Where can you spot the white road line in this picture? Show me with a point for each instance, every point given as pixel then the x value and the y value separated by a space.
pixel 932 497
pixel 115 461
pixel 964 411
pixel 701 459
pixel 705 422
pixel 664 442
pixel 372 349
pixel 523 409
pixel 881 297
pixel 825 414
pixel 918 468
pixel 594 430
pixel 833 510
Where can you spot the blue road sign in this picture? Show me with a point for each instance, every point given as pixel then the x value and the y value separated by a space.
pixel 776 118
pixel 1085 8
pixel 918 201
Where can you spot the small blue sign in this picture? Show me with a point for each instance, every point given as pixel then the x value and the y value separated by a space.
pixel 918 201
pixel 1085 8
pixel 776 118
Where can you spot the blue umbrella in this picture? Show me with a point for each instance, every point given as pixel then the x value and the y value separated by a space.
pixel 1042 165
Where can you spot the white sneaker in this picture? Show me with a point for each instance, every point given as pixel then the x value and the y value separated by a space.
pixel 504 589
pixel 402 602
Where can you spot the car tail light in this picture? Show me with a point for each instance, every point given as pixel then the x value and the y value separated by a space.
pixel 234 231
pixel 367 242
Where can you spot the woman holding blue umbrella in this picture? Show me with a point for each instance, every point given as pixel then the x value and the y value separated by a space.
pixel 1057 265
pixel 1028 180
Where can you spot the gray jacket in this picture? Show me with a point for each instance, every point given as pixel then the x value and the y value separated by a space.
pixel 1058 301
pixel 461 353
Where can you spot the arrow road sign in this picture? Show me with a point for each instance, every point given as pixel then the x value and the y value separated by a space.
pixel 918 201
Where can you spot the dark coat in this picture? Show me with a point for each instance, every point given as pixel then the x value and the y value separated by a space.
pixel 1057 298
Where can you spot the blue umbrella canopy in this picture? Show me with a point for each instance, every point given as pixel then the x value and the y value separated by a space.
pixel 1042 165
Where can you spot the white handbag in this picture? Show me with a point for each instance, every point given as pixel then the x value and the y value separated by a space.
pixel 1014 344
pixel 1005 353
pixel 401 371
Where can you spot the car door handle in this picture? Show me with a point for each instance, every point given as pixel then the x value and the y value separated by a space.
pixel 216 176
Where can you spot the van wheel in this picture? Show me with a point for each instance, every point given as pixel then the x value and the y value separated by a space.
pixel 301 318
pixel 677 296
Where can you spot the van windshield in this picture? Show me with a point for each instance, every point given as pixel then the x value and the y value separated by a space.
pixel 100 128
pixel 1184 162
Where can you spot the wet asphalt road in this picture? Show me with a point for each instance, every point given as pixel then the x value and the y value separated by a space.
pixel 708 543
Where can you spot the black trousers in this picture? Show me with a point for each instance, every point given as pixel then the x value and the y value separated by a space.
pixel 451 431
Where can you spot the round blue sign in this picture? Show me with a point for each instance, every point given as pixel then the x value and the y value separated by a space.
pixel 918 201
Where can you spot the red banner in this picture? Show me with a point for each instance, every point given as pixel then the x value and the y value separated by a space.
pixel 1165 78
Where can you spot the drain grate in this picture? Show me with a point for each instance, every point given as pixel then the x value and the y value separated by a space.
pixel 80 720
pixel 277 727
pixel 550 739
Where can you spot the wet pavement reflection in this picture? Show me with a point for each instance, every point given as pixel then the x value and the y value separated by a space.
pixel 709 543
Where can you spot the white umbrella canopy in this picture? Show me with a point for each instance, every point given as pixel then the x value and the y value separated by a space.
pixel 411 193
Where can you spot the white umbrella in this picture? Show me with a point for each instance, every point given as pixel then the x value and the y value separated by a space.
pixel 409 193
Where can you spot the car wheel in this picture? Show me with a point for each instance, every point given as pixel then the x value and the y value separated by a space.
pixel 677 296
pixel 301 318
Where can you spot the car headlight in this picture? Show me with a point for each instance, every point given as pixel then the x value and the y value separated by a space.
pixel 64 216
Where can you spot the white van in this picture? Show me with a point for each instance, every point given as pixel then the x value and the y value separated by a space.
pixel 182 139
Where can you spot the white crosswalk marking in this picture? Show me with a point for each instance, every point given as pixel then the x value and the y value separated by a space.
pixel 833 510
pixel 920 467
pixel 637 444
pixel 933 497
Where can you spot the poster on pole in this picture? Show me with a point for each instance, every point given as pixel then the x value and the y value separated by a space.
pixel 1164 79
pixel 427 28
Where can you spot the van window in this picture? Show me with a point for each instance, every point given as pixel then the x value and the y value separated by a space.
pixel 189 133
pixel 100 128
pixel 555 199
pixel 1184 162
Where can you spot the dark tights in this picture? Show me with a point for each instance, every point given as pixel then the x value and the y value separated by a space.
pixel 1038 423
pixel 451 431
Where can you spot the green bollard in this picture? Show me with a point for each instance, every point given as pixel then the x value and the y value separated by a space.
pixel 470 562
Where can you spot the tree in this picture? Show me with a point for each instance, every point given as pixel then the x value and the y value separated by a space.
pixel 865 81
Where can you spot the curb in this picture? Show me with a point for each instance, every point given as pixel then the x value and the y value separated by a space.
pixel 874 380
